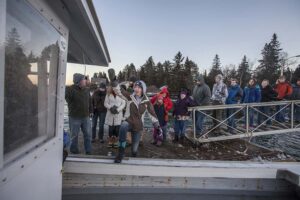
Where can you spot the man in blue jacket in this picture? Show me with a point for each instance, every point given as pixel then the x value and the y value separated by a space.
pixel 251 95
pixel 235 93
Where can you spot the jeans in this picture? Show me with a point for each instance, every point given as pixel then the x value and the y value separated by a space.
pixel 261 117
pixel 199 122
pixel 75 125
pixel 251 114
pixel 231 120
pixel 101 116
pixel 164 130
pixel 113 131
pixel 135 136
pixel 297 112
pixel 280 116
pixel 179 127
pixel 217 114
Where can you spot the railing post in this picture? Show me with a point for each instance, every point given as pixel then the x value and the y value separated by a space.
pixel 194 122
pixel 292 114
pixel 247 118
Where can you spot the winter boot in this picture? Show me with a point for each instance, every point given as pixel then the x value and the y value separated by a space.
pixel 120 155
pixel 110 142
pixel 115 142
pixel 175 140
pixel 181 140
pixel 134 154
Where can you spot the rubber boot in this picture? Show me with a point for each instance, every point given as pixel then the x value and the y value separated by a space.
pixel 120 155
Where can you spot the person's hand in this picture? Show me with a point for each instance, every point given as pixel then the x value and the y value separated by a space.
pixel 91 115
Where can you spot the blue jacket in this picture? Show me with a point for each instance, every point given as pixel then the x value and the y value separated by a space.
pixel 296 92
pixel 251 94
pixel 234 93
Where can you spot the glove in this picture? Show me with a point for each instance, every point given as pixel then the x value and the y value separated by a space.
pixel 114 110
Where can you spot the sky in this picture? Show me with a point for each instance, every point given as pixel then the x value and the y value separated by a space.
pixel 137 29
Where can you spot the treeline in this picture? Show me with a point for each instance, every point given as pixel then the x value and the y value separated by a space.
pixel 181 71
pixel 178 73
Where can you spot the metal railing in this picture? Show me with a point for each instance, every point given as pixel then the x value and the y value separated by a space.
pixel 245 120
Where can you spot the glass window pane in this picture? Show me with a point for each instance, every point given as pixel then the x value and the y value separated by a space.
pixel 31 64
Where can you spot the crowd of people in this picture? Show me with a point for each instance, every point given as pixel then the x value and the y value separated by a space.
pixel 122 106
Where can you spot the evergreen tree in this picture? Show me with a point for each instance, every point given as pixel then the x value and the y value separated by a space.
pixel 243 72
pixel 121 76
pixel 269 67
pixel 215 70
pixel 147 72
pixel 190 73
pixel 160 75
pixel 178 73
pixel 229 72
pixel 296 74
pixel 167 66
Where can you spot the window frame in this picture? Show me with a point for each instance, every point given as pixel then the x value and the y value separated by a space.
pixel 2 73
pixel 35 146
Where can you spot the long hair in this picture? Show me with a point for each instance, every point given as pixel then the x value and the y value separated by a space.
pixel 110 91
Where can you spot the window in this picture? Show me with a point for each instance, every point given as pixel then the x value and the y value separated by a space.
pixel 31 64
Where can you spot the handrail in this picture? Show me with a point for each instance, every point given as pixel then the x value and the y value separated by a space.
pixel 240 105
pixel 249 111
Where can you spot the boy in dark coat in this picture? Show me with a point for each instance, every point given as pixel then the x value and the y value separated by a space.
pixel 267 94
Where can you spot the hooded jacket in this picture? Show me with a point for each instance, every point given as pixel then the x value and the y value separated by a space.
pixel 79 101
pixel 251 94
pixel 201 93
pixel 168 104
pixel 234 93
pixel 136 107
pixel 181 106
pixel 284 90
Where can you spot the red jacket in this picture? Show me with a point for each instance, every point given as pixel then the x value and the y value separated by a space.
pixel 167 101
pixel 284 90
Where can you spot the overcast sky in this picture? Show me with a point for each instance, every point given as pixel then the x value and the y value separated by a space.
pixel 137 29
